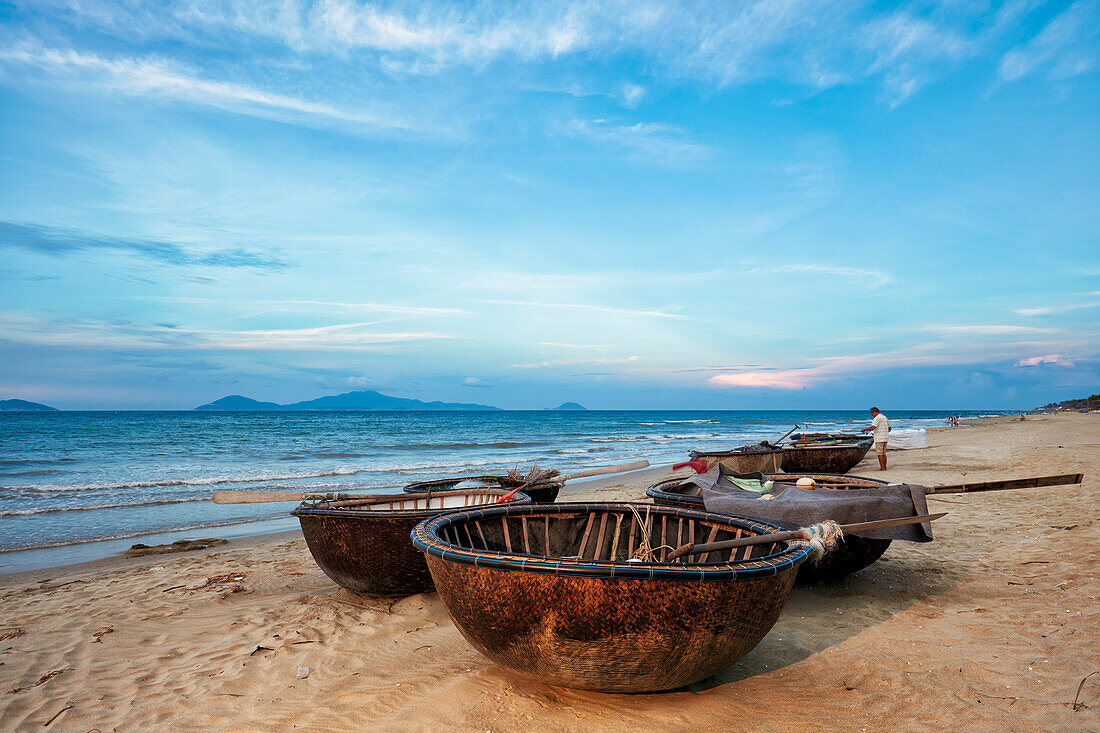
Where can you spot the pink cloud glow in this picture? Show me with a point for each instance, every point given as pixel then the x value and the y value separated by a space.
pixel 789 379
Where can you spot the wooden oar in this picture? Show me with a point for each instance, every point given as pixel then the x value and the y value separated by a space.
pixel 260 497
pixel 763 539
pixel 1015 483
pixel 622 467
pixel 785 435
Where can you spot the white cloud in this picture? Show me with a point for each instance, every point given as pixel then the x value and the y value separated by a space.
pixel 474 382
pixel 1047 310
pixel 549 363
pixel 871 277
pixel 150 76
pixel 589 307
pixel 646 142
pixel 789 379
pixel 816 43
pixel 1054 359
pixel 989 330
pixel 908 50
pixel 88 333
pixel 1067 46
pixel 632 95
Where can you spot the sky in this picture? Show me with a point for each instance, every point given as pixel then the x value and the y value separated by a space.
pixel 786 204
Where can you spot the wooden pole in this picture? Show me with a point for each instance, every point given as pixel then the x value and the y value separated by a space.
pixel 1015 483
pixel 763 539
pixel 785 435
pixel 632 466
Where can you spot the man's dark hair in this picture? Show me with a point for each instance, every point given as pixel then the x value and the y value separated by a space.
pixel 875 409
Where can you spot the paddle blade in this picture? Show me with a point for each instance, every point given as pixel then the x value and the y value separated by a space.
pixel 896 522
pixel 254 497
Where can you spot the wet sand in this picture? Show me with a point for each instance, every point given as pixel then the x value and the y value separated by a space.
pixel 991 627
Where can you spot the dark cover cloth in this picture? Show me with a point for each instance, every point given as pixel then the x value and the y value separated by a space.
pixel 794 507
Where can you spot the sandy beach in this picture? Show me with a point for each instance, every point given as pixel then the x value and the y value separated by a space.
pixel 991 627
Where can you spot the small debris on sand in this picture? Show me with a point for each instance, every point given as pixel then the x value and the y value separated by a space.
pixel 140 550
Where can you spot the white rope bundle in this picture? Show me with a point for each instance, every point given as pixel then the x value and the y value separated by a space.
pixel 820 538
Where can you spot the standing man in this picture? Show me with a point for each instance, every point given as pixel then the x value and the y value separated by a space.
pixel 881 426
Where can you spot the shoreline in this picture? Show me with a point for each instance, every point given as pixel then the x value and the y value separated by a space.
pixel 992 626
pixel 56 496
pixel 14 563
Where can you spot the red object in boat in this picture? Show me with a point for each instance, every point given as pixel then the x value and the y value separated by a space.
pixel 698 465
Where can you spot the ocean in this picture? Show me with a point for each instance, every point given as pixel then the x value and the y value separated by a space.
pixel 72 478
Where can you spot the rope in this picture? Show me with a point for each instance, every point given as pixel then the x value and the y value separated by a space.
pixel 820 538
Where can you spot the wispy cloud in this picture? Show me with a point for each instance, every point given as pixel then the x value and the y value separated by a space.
pixel 550 363
pixel 927 355
pixel 315 306
pixel 909 49
pixel 58 242
pixel 151 76
pixel 643 142
pixel 1047 310
pixel 100 334
pixel 988 330
pixel 589 307
pixel 814 43
pixel 1067 46
pixel 871 277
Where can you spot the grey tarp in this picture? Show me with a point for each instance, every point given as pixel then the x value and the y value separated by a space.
pixel 791 506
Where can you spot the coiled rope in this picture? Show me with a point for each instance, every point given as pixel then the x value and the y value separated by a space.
pixel 821 538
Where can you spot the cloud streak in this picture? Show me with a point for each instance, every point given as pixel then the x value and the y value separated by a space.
pixel 643 142
pixel 60 242
pixel 158 77
pixel 110 335
pixel 1066 47
pixel 815 43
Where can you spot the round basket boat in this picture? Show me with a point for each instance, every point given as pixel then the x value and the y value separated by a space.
pixel 543 493
pixel 852 554
pixel 363 544
pixel 825 456
pixel 548 590
pixel 748 459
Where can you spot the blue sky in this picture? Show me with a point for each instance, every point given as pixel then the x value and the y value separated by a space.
pixel 626 204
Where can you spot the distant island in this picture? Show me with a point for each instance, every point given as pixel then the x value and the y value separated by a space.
pixel 24 406
pixel 1091 402
pixel 568 406
pixel 361 400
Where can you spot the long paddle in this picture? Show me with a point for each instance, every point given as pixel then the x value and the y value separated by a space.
pixel 1014 483
pixel 260 497
pixel 785 435
pixel 763 539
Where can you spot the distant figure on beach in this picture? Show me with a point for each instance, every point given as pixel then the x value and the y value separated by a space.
pixel 881 426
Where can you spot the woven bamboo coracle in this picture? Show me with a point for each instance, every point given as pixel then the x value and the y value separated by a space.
pixel 852 554
pixel 579 595
pixel 363 544
pixel 825 457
